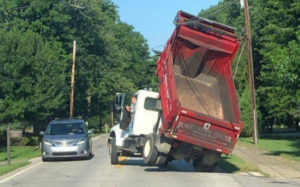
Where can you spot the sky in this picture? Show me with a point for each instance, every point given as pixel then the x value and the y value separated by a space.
pixel 154 18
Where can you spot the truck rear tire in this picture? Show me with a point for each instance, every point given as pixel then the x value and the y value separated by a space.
pixel 199 166
pixel 150 152
pixel 208 162
pixel 113 152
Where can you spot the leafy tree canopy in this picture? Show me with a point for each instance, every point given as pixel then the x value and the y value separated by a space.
pixel 275 40
pixel 35 49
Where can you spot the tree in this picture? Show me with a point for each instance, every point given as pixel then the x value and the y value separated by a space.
pixel 275 40
pixel 111 57
pixel 36 68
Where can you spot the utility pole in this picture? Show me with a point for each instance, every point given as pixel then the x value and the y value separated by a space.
pixel 8 144
pixel 72 81
pixel 250 72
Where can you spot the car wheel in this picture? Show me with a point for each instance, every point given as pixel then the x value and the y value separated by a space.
pixel 150 152
pixel 91 150
pixel 114 152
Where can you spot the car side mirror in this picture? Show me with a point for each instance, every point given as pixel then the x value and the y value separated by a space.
pixel 42 133
pixel 90 131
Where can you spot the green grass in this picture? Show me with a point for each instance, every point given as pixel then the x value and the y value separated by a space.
pixel 8 168
pixel 19 157
pixel 278 146
pixel 233 164
pixel 20 153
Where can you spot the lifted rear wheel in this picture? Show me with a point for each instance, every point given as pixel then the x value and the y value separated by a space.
pixel 199 166
pixel 113 152
pixel 207 163
pixel 150 152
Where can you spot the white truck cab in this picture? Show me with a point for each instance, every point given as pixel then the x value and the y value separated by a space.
pixel 146 121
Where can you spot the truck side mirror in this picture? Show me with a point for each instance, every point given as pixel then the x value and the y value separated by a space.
pixel 158 105
pixel 118 101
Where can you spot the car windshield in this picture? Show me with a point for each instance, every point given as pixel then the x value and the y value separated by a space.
pixel 65 129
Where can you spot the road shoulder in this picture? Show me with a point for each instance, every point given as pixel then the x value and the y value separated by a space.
pixel 275 166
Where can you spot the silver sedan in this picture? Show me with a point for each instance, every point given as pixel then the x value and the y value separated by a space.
pixel 66 138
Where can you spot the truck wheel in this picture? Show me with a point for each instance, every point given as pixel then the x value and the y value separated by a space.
pixel 200 167
pixel 150 152
pixel 113 152
pixel 208 162
pixel 162 161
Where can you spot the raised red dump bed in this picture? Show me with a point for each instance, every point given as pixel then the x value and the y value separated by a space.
pixel 197 92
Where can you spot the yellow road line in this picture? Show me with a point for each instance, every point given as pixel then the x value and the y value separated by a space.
pixel 121 159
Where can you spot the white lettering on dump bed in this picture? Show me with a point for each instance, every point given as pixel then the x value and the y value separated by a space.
pixel 200 133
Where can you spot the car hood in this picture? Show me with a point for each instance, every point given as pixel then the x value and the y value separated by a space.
pixel 67 137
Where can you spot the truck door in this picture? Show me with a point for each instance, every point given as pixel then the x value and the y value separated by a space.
pixel 117 107
pixel 121 115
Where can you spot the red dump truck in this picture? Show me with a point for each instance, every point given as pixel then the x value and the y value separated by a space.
pixel 195 116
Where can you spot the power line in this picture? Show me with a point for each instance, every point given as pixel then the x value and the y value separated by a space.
pixel 237 64
pixel 221 8
pixel 155 47
pixel 209 13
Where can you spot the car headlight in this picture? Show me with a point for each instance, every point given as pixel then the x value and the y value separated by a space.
pixel 81 141
pixel 46 142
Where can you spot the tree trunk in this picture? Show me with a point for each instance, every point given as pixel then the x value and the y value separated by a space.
pixel 100 122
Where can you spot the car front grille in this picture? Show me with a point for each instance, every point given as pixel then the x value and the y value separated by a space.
pixel 65 143
pixel 58 144
pixel 64 153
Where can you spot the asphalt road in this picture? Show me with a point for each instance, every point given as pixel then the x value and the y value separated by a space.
pixel 132 172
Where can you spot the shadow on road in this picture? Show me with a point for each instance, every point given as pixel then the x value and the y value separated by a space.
pixel 132 162
pixel 227 166
pixel 174 166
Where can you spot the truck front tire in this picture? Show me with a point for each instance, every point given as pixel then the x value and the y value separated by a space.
pixel 150 152
pixel 162 160
pixel 113 152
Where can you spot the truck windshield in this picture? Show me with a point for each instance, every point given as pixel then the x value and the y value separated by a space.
pixel 65 129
